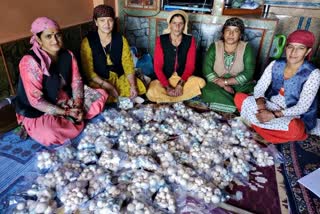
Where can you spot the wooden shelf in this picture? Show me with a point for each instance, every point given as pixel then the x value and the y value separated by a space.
pixel 239 11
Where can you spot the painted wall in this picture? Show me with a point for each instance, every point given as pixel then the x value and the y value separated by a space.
pixel 17 16
pixel 142 26
pixel 112 3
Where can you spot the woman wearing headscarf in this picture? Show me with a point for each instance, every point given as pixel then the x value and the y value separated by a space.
pixel 50 98
pixel 229 66
pixel 106 59
pixel 174 63
pixel 284 104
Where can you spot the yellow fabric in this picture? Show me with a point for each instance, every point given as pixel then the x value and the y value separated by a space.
pixel 121 83
pixel 157 93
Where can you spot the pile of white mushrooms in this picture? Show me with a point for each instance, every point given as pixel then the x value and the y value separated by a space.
pixel 134 160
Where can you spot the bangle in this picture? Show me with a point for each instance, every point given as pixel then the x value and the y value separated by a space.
pixel 225 81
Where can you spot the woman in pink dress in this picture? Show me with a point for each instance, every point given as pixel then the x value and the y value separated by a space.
pixel 50 102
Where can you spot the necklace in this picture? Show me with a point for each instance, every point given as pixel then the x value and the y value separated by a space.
pixel 228 61
pixel 229 57
pixel 109 49
pixel 176 42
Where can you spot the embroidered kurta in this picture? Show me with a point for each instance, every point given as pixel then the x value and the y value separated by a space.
pixel 120 82
pixel 51 128
pixel 217 63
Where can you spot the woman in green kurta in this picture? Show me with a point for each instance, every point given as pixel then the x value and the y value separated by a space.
pixel 228 67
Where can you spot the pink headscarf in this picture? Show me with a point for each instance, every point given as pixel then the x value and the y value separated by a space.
pixel 303 37
pixel 37 26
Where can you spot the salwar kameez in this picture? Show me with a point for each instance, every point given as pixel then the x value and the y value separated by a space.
pixel 296 99
pixel 157 93
pixel 167 68
pixel 218 63
pixel 51 128
pixel 295 131
pixel 120 82
pixel 219 99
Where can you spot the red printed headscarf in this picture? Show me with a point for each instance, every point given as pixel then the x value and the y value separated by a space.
pixel 304 37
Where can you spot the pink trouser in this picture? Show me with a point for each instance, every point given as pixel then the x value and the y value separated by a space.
pixel 49 129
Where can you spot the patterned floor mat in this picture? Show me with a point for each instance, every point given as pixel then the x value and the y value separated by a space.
pixel 301 158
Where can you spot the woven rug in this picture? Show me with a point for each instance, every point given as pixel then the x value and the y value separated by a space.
pixel 265 198
pixel 18 160
pixel 301 158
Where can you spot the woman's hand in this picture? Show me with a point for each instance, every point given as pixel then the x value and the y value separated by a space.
pixel 110 89
pixel 133 92
pixel 133 85
pixel 78 103
pixel 74 113
pixel 265 115
pixel 178 90
pixel 170 91
pixel 229 89
pixel 261 103
pixel 219 82
pixel 222 82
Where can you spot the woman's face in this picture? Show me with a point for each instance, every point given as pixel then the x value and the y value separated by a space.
pixel 105 24
pixel 176 25
pixel 51 40
pixel 296 52
pixel 231 34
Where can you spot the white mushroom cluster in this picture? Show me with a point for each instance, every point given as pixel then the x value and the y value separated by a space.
pixel 87 142
pixel 138 207
pixel 66 153
pixel 140 156
pixel 145 183
pixel 87 156
pixel 100 129
pixel 60 175
pixel 45 203
pixel 165 199
pixel 73 195
pixel 128 144
pixel 144 162
pixel 125 103
pixel 105 204
pixel 263 159
pixel 46 160
pixel 144 114
pixel 113 160
pixel 194 184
